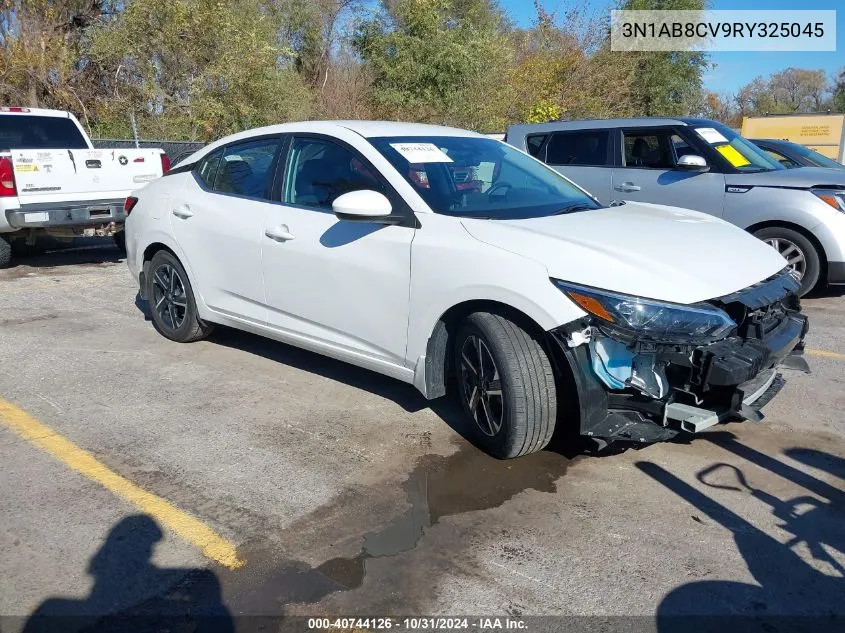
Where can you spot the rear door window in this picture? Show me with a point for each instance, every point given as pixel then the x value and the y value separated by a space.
pixel 584 147
pixel 245 169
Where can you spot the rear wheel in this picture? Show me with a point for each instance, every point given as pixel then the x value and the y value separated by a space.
pixel 172 304
pixel 799 252
pixel 506 385
pixel 5 252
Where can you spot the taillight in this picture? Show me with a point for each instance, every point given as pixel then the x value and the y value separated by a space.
pixel 129 204
pixel 165 164
pixel 13 109
pixel 7 178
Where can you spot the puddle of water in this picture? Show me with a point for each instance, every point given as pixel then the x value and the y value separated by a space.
pixel 439 487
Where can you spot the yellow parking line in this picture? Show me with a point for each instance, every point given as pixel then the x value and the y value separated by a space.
pixel 211 544
pixel 824 353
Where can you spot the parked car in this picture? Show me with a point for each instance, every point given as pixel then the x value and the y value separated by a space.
pixel 792 155
pixel 354 240
pixel 53 182
pixel 702 165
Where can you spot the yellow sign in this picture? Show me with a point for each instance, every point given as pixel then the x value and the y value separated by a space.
pixel 25 168
pixel 733 156
pixel 821 132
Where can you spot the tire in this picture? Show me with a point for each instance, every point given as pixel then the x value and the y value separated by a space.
pixel 172 304
pixel 5 253
pixel 792 245
pixel 526 407
pixel 120 241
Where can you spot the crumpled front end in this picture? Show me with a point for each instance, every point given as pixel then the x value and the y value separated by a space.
pixel 632 387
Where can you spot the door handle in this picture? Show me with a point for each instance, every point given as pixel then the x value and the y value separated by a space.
pixel 280 233
pixel 627 186
pixel 183 212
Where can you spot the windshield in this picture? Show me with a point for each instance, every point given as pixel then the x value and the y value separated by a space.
pixel 22 131
pixel 735 151
pixel 812 156
pixel 480 178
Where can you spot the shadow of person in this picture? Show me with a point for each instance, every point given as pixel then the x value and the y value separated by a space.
pixel 132 594
pixel 791 594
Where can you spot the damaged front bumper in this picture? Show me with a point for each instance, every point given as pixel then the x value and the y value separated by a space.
pixel 647 391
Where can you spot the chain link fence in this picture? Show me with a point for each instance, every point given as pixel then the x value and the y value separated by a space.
pixel 175 150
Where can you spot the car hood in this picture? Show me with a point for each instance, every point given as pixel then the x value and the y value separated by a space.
pixel 802 177
pixel 641 249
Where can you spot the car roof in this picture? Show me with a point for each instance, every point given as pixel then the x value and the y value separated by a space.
pixel 598 124
pixel 367 129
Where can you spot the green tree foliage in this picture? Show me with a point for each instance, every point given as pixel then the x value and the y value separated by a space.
pixel 667 83
pixel 435 60
pixel 839 92
pixel 198 68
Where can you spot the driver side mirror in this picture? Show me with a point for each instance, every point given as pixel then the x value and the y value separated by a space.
pixel 693 162
pixel 364 205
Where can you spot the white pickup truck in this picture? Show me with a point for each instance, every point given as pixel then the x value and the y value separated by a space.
pixel 53 181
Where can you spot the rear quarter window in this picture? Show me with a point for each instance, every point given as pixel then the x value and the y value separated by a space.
pixel 534 144
pixel 206 169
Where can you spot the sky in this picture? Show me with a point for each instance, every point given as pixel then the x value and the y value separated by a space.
pixel 732 70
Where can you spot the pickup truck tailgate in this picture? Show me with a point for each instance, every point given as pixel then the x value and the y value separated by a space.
pixel 47 175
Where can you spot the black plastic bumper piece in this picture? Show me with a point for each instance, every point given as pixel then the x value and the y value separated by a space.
pixel 836 272
pixel 733 361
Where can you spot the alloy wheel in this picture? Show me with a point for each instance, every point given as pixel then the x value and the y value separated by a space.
pixel 169 299
pixel 792 253
pixel 481 385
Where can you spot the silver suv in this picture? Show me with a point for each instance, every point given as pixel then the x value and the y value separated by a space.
pixel 705 166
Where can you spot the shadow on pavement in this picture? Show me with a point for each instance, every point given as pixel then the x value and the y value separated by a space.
pixel 132 594
pixel 800 582
pixel 52 253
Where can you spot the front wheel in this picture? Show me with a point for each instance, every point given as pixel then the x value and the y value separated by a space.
pixel 506 385
pixel 800 254
pixel 172 304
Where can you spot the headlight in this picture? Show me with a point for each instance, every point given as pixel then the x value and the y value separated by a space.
pixel 654 320
pixel 834 198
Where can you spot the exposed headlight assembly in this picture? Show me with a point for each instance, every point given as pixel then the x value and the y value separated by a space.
pixel 833 197
pixel 652 320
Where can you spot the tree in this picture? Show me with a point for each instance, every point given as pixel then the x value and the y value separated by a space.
pixel 839 92
pixel 667 83
pixel 799 90
pixel 435 60
pixel 43 60
pixel 198 68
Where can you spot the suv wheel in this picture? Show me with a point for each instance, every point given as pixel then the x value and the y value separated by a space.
pixel 506 385
pixel 174 311
pixel 799 252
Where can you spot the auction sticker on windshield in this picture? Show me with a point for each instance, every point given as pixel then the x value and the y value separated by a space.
pixel 421 152
pixel 733 156
pixel 711 135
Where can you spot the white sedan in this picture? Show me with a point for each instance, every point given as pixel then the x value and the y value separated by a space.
pixel 444 259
